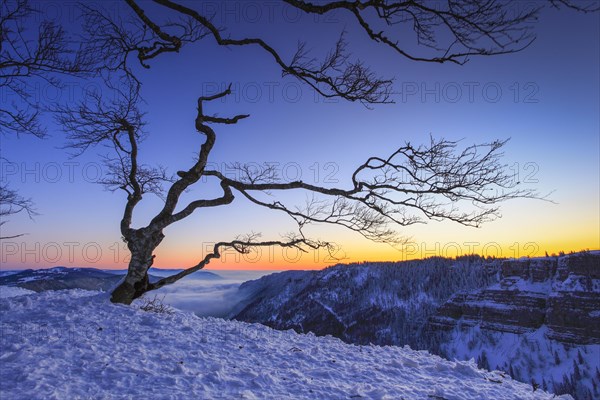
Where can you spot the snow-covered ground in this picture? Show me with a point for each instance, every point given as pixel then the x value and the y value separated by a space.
pixel 77 345
pixel 12 291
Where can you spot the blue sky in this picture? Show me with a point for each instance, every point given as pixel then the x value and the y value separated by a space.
pixel 546 99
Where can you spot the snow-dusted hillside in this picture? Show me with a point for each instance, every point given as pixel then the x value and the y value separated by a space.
pixel 537 319
pixel 382 303
pixel 532 357
pixel 75 344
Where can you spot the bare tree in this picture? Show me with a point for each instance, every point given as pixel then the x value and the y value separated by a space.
pixel 12 203
pixel 440 180
pixel 27 56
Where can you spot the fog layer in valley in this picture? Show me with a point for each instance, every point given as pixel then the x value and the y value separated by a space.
pixel 205 293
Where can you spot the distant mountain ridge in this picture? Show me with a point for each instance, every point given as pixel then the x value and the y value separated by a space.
pixel 59 278
pixel 162 272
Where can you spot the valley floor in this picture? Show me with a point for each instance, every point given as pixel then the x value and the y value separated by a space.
pixel 75 344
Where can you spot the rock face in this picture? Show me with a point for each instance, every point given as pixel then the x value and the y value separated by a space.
pixel 562 293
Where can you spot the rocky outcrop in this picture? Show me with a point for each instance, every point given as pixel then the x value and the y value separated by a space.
pixel 514 311
pixel 562 293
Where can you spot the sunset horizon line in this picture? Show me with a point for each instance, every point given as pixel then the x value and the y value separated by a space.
pixel 313 267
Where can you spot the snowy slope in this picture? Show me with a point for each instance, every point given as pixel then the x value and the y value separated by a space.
pixel 75 344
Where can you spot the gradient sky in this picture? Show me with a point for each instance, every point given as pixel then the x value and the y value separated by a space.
pixel 547 103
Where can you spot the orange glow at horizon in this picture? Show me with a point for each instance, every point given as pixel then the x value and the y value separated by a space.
pixel 274 259
pixel 508 237
pixel 442 240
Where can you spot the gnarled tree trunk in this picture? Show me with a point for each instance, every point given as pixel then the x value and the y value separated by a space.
pixel 141 244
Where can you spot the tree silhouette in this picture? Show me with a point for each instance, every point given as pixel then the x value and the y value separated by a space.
pixel 30 50
pixel 439 180
pixel 12 203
